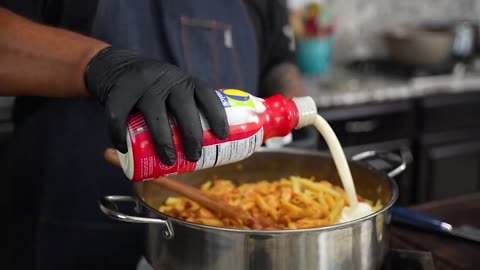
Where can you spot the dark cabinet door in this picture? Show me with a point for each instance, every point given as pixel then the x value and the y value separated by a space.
pixel 371 123
pixel 385 127
pixel 449 112
pixel 449 146
pixel 450 168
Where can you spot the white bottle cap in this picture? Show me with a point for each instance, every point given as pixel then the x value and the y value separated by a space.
pixel 307 111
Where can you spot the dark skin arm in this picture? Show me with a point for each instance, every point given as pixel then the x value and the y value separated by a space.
pixel 283 79
pixel 38 60
pixel 43 61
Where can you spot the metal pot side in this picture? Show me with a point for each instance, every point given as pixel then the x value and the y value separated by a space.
pixel 360 244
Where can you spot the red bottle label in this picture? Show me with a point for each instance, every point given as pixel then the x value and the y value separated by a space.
pixel 251 120
pixel 242 142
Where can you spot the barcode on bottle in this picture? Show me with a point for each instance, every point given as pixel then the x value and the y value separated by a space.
pixel 229 152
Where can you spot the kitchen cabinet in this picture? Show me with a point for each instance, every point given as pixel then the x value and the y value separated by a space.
pixel 372 123
pixel 441 133
pixel 449 169
pixel 448 146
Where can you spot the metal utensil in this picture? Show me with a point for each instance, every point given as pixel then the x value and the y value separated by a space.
pixel 408 217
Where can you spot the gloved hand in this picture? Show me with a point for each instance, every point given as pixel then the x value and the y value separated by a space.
pixel 123 81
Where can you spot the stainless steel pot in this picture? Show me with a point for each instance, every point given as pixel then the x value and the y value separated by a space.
pixel 433 43
pixel 418 46
pixel 175 244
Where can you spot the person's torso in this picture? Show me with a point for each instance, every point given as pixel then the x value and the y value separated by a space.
pixel 213 40
pixel 59 143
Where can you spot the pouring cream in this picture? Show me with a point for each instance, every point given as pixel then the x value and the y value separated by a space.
pixel 356 209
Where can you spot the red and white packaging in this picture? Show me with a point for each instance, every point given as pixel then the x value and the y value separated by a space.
pixel 252 121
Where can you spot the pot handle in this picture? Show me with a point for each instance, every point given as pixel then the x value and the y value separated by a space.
pixel 109 207
pixel 400 160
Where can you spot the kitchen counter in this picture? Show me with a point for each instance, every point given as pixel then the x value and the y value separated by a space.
pixel 448 252
pixel 343 87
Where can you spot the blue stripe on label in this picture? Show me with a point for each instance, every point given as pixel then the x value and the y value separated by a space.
pixel 223 99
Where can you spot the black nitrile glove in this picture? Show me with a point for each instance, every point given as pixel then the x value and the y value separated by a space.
pixel 123 81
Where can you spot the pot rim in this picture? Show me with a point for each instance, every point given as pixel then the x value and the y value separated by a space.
pixel 391 182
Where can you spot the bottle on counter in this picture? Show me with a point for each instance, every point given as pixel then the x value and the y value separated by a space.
pixel 252 121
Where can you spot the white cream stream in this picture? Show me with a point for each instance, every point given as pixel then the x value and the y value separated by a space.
pixel 356 209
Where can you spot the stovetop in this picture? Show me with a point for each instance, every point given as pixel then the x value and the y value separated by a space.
pixel 397 259
pixel 386 67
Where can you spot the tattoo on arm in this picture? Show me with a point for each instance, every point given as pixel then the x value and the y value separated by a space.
pixel 282 79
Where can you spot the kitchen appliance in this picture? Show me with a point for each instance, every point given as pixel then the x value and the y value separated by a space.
pixel 359 244
pixel 464 40
pixel 384 67
pixel 419 46
pixel 433 43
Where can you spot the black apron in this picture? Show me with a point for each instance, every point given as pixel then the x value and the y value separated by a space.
pixel 57 154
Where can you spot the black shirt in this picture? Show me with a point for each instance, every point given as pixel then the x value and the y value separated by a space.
pixel 270 20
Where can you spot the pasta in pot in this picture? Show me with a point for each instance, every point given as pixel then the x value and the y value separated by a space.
pixel 293 203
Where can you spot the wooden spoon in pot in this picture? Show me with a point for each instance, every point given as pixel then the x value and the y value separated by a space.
pixel 194 194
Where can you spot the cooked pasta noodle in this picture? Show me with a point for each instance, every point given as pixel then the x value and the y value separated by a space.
pixel 293 203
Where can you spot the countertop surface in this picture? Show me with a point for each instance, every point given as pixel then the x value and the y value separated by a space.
pixel 448 252
pixel 342 86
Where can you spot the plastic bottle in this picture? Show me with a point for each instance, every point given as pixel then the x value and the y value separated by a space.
pixel 252 121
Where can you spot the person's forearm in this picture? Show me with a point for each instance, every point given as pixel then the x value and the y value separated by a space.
pixel 39 60
pixel 283 79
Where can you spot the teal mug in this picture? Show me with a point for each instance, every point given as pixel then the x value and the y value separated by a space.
pixel 314 54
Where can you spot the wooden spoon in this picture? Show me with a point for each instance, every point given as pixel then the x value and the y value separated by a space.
pixel 220 208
